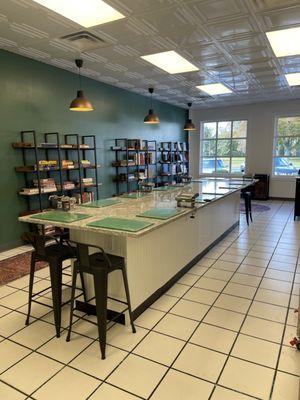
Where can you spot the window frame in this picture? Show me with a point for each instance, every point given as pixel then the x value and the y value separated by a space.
pixel 275 136
pixel 217 121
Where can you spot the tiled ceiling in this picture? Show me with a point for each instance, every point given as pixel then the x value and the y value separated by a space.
pixel 225 39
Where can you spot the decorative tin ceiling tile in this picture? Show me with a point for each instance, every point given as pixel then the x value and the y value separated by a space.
pixel 225 39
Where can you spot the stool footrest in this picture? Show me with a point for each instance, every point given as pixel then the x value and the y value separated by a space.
pixel 90 309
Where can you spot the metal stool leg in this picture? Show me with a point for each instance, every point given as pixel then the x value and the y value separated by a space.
pixel 100 285
pixel 247 209
pixel 83 286
pixel 56 287
pixel 31 279
pixel 74 279
pixel 250 208
pixel 124 273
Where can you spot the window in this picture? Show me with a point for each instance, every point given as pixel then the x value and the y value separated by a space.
pixel 287 146
pixel 223 147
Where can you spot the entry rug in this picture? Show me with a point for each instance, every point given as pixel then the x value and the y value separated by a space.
pixel 255 207
pixel 15 267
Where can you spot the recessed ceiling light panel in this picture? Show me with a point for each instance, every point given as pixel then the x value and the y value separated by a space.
pixel 293 79
pixel 214 89
pixel 171 62
pixel 285 42
pixel 84 12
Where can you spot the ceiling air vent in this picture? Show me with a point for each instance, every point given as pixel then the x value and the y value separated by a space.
pixel 84 41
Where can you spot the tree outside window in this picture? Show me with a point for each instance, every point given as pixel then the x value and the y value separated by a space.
pixel 287 146
pixel 223 147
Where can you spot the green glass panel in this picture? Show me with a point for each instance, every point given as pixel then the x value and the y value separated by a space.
pixel 101 203
pixel 134 195
pixel 121 224
pixel 160 213
pixel 60 216
pixel 164 188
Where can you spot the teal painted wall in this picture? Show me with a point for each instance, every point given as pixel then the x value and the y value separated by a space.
pixel 36 96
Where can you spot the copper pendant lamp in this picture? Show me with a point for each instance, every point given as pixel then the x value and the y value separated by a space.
pixel 189 126
pixel 151 118
pixel 80 103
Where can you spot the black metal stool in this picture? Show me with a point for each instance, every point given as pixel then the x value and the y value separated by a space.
pixel 99 265
pixel 54 255
pixel 248 209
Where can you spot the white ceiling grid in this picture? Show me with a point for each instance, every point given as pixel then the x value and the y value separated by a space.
pixel 225 39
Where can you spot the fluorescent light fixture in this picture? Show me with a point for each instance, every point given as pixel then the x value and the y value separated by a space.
pixel 85 12
pixel 293 79
pixel 285 42
pixel 214 89
pixel 171 62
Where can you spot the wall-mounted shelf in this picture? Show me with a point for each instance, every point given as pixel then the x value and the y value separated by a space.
pixel 135 161
pixel 173 161
pixel 44 166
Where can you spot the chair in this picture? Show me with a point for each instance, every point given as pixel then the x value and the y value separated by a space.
pixel 246 195
pixel 54 254
pixel 99 265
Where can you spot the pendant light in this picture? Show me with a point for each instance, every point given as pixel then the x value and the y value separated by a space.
pixel 80 103
pixel 189 126
pixel 151 118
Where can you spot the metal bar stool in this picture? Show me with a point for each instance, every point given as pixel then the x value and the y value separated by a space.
pixel 99 264
pixel 246 195
pixel 54 255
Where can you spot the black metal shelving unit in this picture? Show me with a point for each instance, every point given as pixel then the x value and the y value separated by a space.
pixel 55 149
pixel 174 161
pixel 130 157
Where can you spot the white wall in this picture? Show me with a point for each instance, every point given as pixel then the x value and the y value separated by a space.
pixel 261 125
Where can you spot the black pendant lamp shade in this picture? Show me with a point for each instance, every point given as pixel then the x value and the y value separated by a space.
pixel 189 126
pixel 151 118
pixel 80 103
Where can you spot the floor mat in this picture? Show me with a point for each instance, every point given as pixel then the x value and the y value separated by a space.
pixel 15 267
pixel 255 207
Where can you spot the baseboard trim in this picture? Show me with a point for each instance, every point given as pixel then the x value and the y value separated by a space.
pixel 283 198
pixel 10 246
pixel 159 292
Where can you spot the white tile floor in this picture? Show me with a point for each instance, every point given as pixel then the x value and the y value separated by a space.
pixel 221 333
